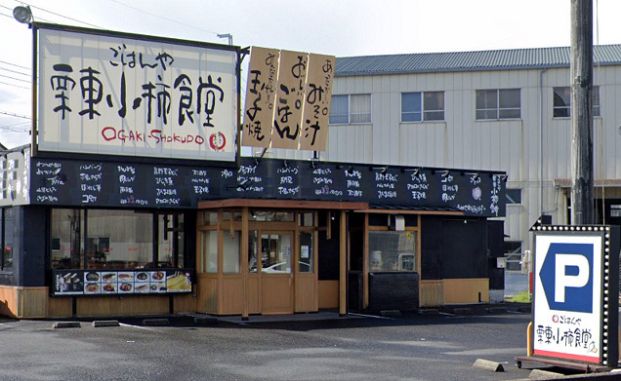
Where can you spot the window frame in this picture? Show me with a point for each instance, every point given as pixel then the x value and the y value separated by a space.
pixel 498 109
pixel 423 108
pixel 349 111
pixel 596 96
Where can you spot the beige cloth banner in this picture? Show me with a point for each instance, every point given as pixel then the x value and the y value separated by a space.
pixel 314 135
pixel 260 97
pixel 289 99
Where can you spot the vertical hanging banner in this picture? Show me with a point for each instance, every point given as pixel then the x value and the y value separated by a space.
pixel 260 95
pixel 121 94
pixel 319 80
pixel 289 99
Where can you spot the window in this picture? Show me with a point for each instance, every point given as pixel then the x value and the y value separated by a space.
pixel 271 215
pixel 210 251
pixel 231 252
pixel 392 251
pixel 305 264
pixel 360 109
pixel 67 239
pixel 170 240
pixel 562 102
pixel 498 104
pixel 339 110
pixel 115 239
pixel 7 221
pixel 418 107
pixel 276 252
pixel 514 196
pixel 513 255
pixel 129 237
pixel 350 109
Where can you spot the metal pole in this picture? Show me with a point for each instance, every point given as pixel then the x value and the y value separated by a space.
pixel 582 205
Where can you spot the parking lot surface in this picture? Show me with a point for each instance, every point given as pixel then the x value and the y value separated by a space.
pixel 411 347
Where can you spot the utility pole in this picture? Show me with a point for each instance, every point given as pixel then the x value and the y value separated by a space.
pixel 581 69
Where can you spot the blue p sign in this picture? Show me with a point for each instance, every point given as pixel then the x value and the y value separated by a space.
pixel 567 277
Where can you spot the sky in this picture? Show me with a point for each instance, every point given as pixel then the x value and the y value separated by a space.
pixel 337 27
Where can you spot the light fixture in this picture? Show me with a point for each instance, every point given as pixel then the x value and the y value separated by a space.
pixel 22 14
pixel 228 36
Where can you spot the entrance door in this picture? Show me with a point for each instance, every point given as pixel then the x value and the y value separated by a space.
pixel 276 266
pixel 306 286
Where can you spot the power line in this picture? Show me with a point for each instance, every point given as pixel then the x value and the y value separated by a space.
pixel 56 14
pixel 15 71
pixel 15 115
pixel 22 123
pixel 162 17
pixel 13 78
pixel 14 129
pixel 13 64
pixel 14 85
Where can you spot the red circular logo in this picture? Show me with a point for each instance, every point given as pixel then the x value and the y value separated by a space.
pixel 217 141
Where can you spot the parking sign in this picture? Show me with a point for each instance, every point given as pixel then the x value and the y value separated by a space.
pixel 576 290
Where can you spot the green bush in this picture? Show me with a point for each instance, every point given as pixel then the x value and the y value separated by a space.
pixel 522 297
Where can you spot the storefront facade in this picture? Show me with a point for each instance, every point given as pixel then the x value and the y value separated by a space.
pixel 133 198
pixel 98 238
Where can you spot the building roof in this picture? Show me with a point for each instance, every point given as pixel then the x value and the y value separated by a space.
pixel 512 59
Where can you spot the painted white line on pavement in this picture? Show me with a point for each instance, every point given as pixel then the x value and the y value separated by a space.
pixel 137 327
pixel 370 316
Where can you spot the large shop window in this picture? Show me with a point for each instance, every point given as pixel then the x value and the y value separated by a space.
pixel 115 239
pixel 392 251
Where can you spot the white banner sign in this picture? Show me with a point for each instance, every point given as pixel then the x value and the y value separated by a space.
pixel 126 96
pixel 568 297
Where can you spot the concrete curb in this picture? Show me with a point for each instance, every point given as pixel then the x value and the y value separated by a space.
pixel 105 323
pixel 155 322
pixel 539 374
pixel 205 321
pixel 66 324
pixel 488 365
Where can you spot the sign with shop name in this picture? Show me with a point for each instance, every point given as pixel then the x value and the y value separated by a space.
pixel 576 286
pixel 127 95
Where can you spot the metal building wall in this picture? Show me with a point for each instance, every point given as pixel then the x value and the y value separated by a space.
pixel 463 142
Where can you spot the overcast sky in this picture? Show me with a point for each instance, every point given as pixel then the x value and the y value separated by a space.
pixel 337 27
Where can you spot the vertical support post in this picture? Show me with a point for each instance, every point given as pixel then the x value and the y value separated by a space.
pixel 365 262
pixel 35 43
pixel 244 264
pixel 582 205
pixel 343 263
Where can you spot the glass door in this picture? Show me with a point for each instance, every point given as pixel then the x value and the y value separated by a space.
pixel 275 265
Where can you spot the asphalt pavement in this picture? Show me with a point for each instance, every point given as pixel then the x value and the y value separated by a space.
pixel 437 346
